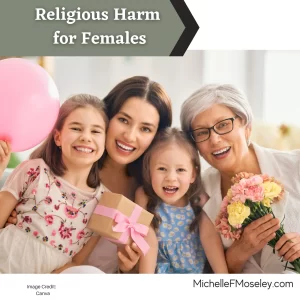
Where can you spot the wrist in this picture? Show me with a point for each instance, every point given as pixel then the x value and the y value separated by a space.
pixel 236 257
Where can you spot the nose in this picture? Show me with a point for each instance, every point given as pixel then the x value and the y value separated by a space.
pixel 130 134
pixel 214 137
pixel 85 136
pixel 171 175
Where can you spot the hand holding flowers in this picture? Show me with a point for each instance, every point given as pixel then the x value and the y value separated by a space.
pixel 246 209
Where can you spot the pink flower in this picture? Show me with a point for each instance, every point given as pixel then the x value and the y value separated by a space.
pixel 65 232
pixel 58 184
pixel 33 191
pixel 70 242
pixel 47 186
pixel 27 219
pixel 71 212
pixel 237 178
pixel 52 243
pixel 80 234
pixel 35 233
pixel 48 200
pixel 49 219
pixel 225 229
pixel 224 204
pixel 53 233
pixel 20 225
pixel 248 188
pixel 66 250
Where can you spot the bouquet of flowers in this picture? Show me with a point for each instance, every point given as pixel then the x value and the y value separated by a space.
pixel 249 198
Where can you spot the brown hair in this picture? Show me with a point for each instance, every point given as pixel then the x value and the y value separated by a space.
pixel 149 91
pixel 167 136
pixel 49 151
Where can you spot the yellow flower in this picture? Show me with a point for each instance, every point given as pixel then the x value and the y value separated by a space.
pixel 266 202
pixel 237 213
pixel 271 190
pixel 229 194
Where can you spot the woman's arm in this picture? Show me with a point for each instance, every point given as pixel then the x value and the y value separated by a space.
pixel 212 244
pixel 255 237
pixel 81 256
pixel 7 204
pixel 147 263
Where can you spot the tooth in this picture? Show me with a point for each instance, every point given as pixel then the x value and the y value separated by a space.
pixel 84 149
pixel 221 151
pixel 125 147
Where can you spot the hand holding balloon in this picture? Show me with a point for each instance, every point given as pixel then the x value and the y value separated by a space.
pixel 29 103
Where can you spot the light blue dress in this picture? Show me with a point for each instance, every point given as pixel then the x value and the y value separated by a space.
pixel 179 250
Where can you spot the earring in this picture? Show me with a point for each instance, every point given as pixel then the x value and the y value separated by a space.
pixel 59 147
pixel 248 142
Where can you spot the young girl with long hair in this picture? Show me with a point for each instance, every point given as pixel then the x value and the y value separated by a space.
pixel 55 193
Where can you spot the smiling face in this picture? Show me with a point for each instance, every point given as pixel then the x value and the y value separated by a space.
pixel 82 138
pixel 223 152
pixel 131 130
pixel 171 172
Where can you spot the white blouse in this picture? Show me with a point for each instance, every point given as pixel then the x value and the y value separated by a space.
pixel 283 166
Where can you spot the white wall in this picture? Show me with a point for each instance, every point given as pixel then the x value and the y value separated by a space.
pixel 269 78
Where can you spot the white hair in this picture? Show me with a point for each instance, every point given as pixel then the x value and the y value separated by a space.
pixel 211 94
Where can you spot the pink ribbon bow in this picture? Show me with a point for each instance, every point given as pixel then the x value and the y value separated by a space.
pixel 127 225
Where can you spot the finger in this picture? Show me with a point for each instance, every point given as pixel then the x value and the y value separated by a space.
pixel 268 225
pixel 267 239
pixel 292 251
pixel 294 256
pixel 134 256
pixel 5 147
pixel 8 147
pixel 14 214
pixel 255 224
pixel 2 151
pixel 287 246
pixel 12 220
pixel 285 238
pixel 265 230
pixel 135 248
pixel 125 261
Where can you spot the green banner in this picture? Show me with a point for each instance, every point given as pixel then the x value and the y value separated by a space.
pixel 92 27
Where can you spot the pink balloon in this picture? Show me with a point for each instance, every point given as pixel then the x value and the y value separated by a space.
pixel 29 103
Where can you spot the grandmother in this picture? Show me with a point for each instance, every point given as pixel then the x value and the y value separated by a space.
pixel 219 118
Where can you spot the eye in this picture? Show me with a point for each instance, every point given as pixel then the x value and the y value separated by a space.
pixel 146 129
pixel 123 120
pixel 222 124
pixel 162 169
pixel 75 128
pixel 181 170
pixel 96 131
pixel 202 133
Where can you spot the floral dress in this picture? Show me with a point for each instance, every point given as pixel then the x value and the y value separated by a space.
pixel 179 250
pixel 51 221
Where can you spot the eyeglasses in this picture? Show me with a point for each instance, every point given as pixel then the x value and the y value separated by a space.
pixel 200 135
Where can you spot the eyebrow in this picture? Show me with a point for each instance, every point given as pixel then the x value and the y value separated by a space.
pixel 217 121
pixel 164 164
pixel 129 117
pixel 80 124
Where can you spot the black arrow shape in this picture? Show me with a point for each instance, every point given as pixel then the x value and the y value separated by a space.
pixel 191 27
